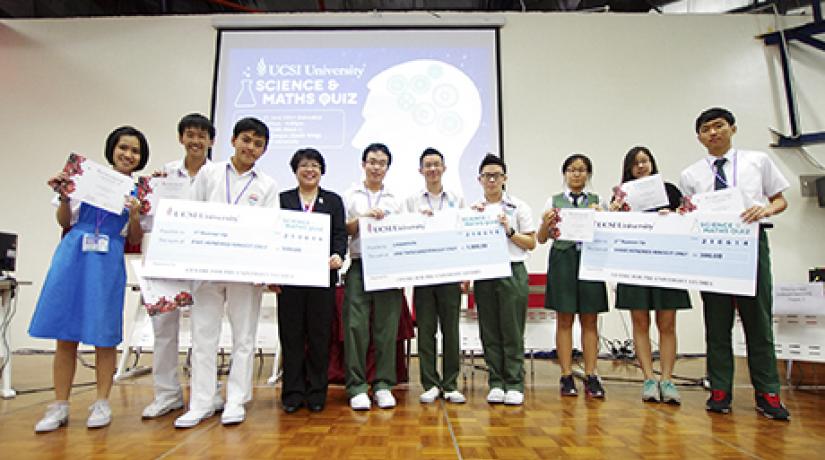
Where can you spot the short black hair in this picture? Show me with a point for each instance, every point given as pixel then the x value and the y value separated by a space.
pixel 114 137
pixel 307 154
pixel 197 121
pixel 491 159
pixel 377 147
pixel 251 124
pixel 429 151
pixel 712 114
pixel 574 157
pixel 630 160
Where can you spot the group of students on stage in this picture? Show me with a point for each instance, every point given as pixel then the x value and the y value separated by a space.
pixel 82 296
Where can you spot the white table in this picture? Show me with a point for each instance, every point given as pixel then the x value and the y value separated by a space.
pixel 8 302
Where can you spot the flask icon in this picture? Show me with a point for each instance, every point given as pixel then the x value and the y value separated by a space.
pixel 245 98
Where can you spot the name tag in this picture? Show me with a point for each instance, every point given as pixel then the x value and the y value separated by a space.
pixel 95 243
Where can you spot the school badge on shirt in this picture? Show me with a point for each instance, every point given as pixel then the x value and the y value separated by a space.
pixel 253 199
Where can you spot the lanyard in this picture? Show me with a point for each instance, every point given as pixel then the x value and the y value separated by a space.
pixel 369 198
pixel 583 200
pixel 309 207
pixel 99 219
pixel 715 170
pixel 440 205
pixel 228 194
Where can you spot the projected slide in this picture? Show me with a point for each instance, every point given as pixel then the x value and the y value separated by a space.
pixel 340 90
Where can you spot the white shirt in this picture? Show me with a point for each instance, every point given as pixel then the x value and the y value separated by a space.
pixel 754 173
pixel 521 220
pixel 358 201
pixel 424 200
pixel 220 183
pixel 178 168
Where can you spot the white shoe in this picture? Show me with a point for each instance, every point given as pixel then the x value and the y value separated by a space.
pixel 495 396
pixel 384 399
pixel 100 414
pixel 57 415
pixel 233 414
pixel 160 407
pixel 514 398
pixel 360 402
pixel 191 418
pixel 430 395
pixel 217 402
pixel 455 396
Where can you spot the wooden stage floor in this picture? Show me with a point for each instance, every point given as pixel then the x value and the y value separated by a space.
pixel 547 426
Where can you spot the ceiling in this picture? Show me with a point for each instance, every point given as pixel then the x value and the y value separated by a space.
pixel 87 8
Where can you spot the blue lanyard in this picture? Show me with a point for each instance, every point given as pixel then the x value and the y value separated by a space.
pixel 99 219
pixel 440 205
pixel 228 194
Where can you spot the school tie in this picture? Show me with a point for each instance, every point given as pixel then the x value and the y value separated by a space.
pixel 720 181
pixel 576 197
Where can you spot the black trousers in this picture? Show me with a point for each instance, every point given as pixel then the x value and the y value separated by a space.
pixel 304 326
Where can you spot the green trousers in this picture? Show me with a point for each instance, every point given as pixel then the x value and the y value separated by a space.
pixel 384 308
pixel 757 322
pixel 434 305
pixel 502 311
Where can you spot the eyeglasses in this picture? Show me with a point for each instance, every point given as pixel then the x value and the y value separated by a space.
pixel 432 165
pixel 574 171
pixel 377 163
pixel 491 176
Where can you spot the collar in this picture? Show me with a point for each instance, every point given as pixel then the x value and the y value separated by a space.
pixel 253 170
pixel 729 155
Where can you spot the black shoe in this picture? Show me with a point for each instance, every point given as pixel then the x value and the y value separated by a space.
pixel 315 407
pixel 291 408
pixel 719 402
pixel 769 405
pixel 568 386
pixel 593 387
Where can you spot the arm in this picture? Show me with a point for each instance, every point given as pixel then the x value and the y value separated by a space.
pixel 134 232
pixel 339 232
pixel 544 229
pixel 776 204
pixel 64 213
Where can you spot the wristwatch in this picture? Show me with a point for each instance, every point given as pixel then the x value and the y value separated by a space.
pixel 511 232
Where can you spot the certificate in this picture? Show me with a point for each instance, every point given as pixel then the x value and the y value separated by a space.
pixel 450 246
pixel 152 189
pixel 728 200
pixel 575 224
pixel 799 299
pixel 95 184
pixel 162 295
pixel 645 193
pixel 707 252
pixel 219 242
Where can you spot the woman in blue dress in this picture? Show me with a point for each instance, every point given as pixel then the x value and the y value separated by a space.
pixel 82 296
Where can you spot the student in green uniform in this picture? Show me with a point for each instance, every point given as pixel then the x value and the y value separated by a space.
pixel 502 302
pixel 762 184
pixel 641 300
pixel 566 294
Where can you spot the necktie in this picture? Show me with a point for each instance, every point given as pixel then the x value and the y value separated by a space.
pixel 720 181
pixel 576 197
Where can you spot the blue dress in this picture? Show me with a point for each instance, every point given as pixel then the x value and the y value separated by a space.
pixel 82 297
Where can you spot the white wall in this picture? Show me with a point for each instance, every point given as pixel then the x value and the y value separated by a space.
pixel 597 84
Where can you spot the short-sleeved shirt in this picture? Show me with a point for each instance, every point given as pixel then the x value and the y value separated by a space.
pixel 424 200
pixel 220 182
pixel 754 173
pixel 178 169
pixel 521 220
pixel 359 200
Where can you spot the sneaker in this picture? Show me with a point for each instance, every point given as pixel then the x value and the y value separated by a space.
pixel 360 402
pixel 719 401
pixel 514 398
pixel 430 395
pixel 233 414
pixel 769 405
pixel 568 386
pixel 670 395
pixel 217 402
pixel 455 397
pixel 100 414
pixel 384 399
pixel 160 407
pixel 593 387
pixel 495 396
pixel 650 391
pixel 57 415
pixel 192 418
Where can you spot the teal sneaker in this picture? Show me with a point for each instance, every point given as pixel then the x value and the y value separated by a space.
pixel 650 391
pixel 670 394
